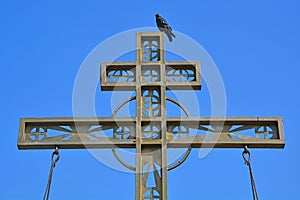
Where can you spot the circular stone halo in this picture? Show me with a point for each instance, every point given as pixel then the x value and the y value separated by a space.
pixel 87 81
pixel 170 166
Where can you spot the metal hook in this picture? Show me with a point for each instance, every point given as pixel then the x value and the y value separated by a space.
pixel 246 152
pixel 55 153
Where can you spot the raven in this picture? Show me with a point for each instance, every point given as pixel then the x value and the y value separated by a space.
pixel 163 26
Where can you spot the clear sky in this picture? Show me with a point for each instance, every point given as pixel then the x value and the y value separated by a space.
pixel 255 45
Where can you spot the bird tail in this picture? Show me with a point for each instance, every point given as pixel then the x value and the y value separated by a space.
pixel 173 34
pixel 170 37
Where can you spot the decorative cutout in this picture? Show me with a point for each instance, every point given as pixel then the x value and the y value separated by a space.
pixel 151 50
pixel 151 131
pixel 120 73
pixel 151 172
pixel 151 194
pixel 38 134
pixel 151 74
pixel 265 132
pixel 123 132
pixel 151 102
pixel 179 132
pixel 178 73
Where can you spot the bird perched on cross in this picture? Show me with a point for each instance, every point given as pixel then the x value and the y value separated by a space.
pixel 163 26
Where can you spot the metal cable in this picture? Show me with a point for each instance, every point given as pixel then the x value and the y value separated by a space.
pixel 247 162
pixel 55 157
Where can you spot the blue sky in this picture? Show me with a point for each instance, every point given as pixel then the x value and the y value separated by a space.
pixel 255 45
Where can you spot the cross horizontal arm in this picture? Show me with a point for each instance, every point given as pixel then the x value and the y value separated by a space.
pixel 106 132
pixel 125 75
pixel 75 133
pixel 229 132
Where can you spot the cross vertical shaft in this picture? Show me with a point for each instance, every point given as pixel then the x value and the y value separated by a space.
pixel 151 161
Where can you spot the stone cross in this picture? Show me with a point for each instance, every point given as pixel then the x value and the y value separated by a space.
pixel 151 132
